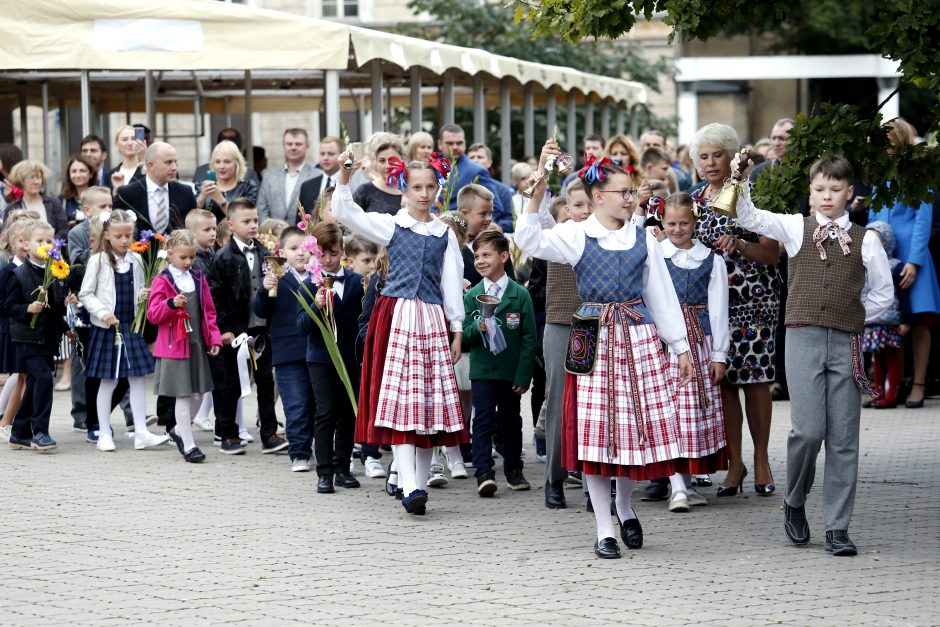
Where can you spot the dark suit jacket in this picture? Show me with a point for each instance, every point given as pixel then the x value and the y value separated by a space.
pixel 133 197
pixel 287 345
pixel 347 313
pixel 55 214
pixel 310 193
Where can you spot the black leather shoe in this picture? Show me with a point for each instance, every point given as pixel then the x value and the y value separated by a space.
pixel 838 543
pixel 346 480
pixel 795 524
pixel 325 485
pixel 555 495
pixel 177 440
pixel 764 489
pixel 607 549
pixel 194 456
pixel 657 490
pixel 631 532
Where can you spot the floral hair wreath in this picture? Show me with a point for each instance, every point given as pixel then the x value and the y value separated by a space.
pixel 594 171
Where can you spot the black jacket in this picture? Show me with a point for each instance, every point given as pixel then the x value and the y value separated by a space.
pixel 133 197
pixel 49 324
pixel 309 193
pixel 55 214
pixel 231 286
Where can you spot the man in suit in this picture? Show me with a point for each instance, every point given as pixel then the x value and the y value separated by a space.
pixel 280 189
pixel 453 143
pixel 483 156
pixel 235 137
pixel 160 202
pixel 327 169
pixel 94 150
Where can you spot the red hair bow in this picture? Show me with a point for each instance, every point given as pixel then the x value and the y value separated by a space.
pixel 440 165
pixel 656 207
pixel 593 170
pixel 396 173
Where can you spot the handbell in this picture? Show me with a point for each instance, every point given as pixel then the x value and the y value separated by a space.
pixel 276 265
pixel 527 192
pixel 256 345
pixel 488 305
pixel 187 326
pixel 727 200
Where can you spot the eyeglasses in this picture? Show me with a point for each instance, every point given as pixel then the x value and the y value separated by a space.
pixel 625 194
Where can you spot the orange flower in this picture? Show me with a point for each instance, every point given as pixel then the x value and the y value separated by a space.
pixel 139 247
pixel 160 237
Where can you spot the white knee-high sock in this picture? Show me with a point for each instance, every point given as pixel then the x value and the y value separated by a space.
pixel 625 498
pixel 422 464
pixel 7 391
pixel 434 453
pixel 599 489
pixel 453 454
pixel 184 425
pixel 105 390
pixel 405 460
pixel 677 481
pixel 240 415
pixel 139 403
pixel 205 407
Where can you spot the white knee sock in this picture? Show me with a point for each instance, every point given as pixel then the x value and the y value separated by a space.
pixel 240 415
pixel 7 391
pixel 422 464
pixel 205 407
pixel 625 498
pixel 687 479
pixel 599 489
pixel 405 460
pixel 105 391
pixel 434 453
pixel 139 403
pixel 677 481
pixel 453 454
pixel 184 425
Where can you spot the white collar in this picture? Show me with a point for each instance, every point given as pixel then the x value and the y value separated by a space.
pixel 337 273
pixel 151 186
pixel 698 252
pixel 405 220
pixel 593 228
pixel 842 221
pixel 240 244
pixel 503 282
pixel 16 261
pixel 176 273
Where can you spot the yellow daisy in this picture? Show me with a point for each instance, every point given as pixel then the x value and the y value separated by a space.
pixel 60 269
pixel 43 250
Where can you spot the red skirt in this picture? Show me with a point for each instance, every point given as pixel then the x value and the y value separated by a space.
pixel 378 342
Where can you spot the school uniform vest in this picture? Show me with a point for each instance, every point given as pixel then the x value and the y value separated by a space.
pixel 561 293
pixel 692 287
pixel 827 293
pixel 254 321
pixel 415 263
pixel 613 276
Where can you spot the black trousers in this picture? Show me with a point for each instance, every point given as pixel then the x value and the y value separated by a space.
pixel 335 423
pixel 497 413
pixel 228 390
pixel 36 406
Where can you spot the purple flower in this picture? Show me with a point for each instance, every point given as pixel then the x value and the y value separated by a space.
pixel 146 236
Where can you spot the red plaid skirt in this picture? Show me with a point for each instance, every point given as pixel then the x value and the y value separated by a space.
pixel 701 430
pixel 408 393
pixel 646 443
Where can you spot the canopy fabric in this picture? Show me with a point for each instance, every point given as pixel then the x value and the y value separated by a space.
pixel 164 35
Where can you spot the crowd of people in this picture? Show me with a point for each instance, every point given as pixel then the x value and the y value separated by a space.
pixel 401 303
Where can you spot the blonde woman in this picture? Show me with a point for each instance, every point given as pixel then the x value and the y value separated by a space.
pixel 131 150
pixel 230 183
pixel 420 146
pixel 33 177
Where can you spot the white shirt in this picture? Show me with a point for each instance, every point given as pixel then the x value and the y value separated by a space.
pixel 565 244
pixel 183 279
pixel 249 254
pixel 121 264
pixel 717 290
pixel 501 283
pixel 329 180
pixel 339 286
pixel 380 227
pixel 290 182
pixel 788 228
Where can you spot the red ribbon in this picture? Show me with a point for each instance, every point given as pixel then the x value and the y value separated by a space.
pixel 594 171
pixel 397 173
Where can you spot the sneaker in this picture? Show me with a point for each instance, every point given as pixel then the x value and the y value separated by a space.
pixel 374 469
pixel 245 437
pixel 79 426
pixel 458 470
pixel 232 447
pixel 301 464
pixel 539 449
pixel 696 499
pixel 92 438
pixel 573 480
pixel 486 483
pixel 147 439
pixel 273 444
pixel 5 433
pixel 217 440
pixel 43 443
pixel 516 480
pixel 106 446
pixel 436 478
pixel 679 503
pixel 20 443
pixel 152 420
pixel 204 423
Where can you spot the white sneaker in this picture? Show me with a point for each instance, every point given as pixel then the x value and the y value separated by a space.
pixel 245 437
pixel 300 465
pixel 148 440
pixel 679 503
pixel 374 469
pixel 695 498
pixel 105 445
pixel 5 433
pixel 204 423
pixel 436 478
pixel 457 469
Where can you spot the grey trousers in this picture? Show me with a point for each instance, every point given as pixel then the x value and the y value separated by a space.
pixel 554 346
pixel 825 405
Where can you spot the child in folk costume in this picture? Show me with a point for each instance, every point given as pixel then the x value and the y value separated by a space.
pixel 182 308
pixel 701 282
pixel 619 414
pixel 408 392
pixel 112 288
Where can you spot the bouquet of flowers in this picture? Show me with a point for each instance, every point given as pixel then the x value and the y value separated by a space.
pixel 55 268
pixel 152 251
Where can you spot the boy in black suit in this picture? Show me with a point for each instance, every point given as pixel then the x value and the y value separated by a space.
pixel 336 421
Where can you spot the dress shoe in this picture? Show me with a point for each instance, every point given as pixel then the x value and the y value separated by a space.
pixel 607 549
pixel 325 485
pixel 345 479
pixel 555 495
pixel 838 543
pixel 145 439
pixel 795 524
pixel 194 455
pixel 764 489
pixel 177 440
pixel 631 532
pixel 733 490
pixel 391 481
pixel 415 502
pixel 657 490
pixel 915 404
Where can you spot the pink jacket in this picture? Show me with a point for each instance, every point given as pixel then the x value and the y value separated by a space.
pixel 172 342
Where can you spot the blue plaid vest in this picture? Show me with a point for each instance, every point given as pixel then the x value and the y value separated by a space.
pixel 692 287
pixel 415 263
pixel 613 276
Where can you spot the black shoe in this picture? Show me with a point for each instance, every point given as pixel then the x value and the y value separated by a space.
pixel 574 480
pixel 232 446
pixel 701 481
pixel 795 524
pixel 391 487
pixel 517 481
pixel 607 549
pixel 838 543
pixel 79 425
pixel 346 480
pixel 20 443
pixel 733 490
pixel 915 404
pixel 176 440
pixel 325 485
pixel 415 502
pixel 764 489
pixel 273 444
pixel 631 532
pixel 486 483
pixel 657 490
pixel 194 456
pixel 555 495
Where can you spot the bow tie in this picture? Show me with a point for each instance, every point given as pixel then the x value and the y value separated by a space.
pixel 250 248
pixel 824 230
pixel 337 278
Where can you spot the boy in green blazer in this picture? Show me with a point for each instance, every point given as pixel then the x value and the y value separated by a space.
pixel 498 380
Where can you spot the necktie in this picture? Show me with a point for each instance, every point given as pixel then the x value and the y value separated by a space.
pixel 493 290
pixel 160 219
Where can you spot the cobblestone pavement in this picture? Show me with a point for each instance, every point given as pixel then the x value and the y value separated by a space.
pixel 141 537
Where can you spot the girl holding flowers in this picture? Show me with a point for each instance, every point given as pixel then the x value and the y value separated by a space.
pixel 113 286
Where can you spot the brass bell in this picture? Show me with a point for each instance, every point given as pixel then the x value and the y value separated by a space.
pixel 527 193
pixel 727 200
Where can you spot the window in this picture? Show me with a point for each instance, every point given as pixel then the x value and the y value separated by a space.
pixel 340 8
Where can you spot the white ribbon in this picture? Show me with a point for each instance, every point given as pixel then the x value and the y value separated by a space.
pixel 243 360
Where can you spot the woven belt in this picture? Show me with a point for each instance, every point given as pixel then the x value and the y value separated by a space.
pixel 696 336
pixel 858 366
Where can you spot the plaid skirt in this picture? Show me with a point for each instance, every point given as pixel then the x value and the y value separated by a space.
pixel 408 393
pixel 645 443
pixel 701 430
pixel 101 355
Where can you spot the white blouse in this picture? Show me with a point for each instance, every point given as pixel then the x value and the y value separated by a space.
pixel 380 227
pixel 565 244
pixel 717 290
pixel 183 279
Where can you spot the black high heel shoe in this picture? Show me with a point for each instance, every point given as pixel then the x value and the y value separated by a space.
pixel 733 490
pixel 764 489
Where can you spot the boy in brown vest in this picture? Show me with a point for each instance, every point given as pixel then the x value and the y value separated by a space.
pixel 831 260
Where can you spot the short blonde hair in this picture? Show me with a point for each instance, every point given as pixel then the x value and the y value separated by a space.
pixel 417 139
pixel 226 148
pixel 25 169
pixel 95 190
pixel 195 216
pixel 520 172
pixel 383 141
pixel 717 135
pixel 473 190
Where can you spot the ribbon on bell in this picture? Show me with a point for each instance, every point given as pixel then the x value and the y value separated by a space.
pixel 656 208
pixel 248 350
pixel 593 170
pixel 397 174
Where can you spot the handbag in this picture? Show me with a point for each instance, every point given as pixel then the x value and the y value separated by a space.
pixel 583 340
